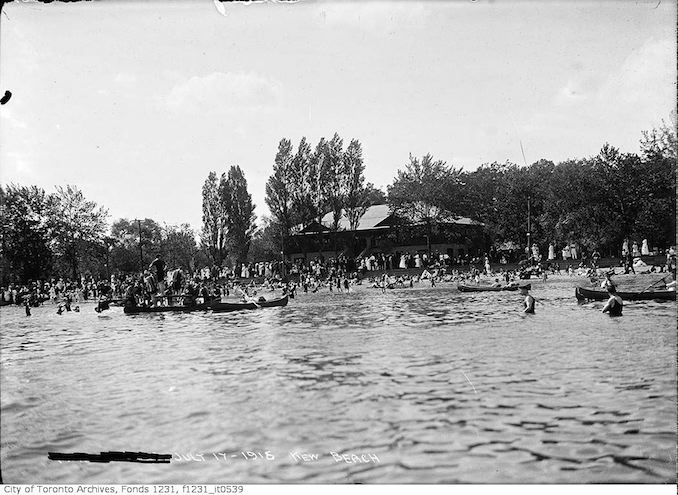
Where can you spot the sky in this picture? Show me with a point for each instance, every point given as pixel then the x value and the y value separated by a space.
pixel 136 102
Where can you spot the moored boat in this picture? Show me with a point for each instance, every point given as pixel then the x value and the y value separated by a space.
pixel 134 310
pixel 487 288
pixel 215 306
pixel 582 294
pixel 228 306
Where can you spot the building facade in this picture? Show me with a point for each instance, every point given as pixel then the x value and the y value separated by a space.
pixel 380 231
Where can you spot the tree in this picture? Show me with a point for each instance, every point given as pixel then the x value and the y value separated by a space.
pixel 265 243
pixel 656 219
pixel 241 216
pixel 301 185
pixel 278 191
pixel 24 247
pixel 77 226
pixel 357 199
pixel 215 217
pixel 337 178
pixel 180 247
pixel 375 196
pixel 661 141
pixel 425 192
pixel 320 164
pixel 134 244
pixel 619 197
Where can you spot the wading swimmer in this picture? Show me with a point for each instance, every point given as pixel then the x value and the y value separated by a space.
pixel 529 300
pixel 614 304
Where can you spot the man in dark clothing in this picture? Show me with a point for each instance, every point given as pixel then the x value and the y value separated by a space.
pixel 157 267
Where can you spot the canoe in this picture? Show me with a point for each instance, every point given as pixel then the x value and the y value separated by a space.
pixel 583 294
pixel 223 307
pixel 217 307
pixel 486 288
pixel 135 310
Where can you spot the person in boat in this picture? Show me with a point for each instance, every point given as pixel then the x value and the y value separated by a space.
pixel 130 300
pixel 190 294
pixel 254 298
pixel 496 283
pixel 150 282
pixel 157 267
pixel 614 304
pixel 177 280
pixel 607 281
pixel 204 293
pixel 529 300
pixel 672 284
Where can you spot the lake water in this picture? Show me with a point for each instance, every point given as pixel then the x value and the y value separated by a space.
pixel 439 386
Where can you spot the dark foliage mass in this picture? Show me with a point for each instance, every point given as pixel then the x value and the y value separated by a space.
pixel 597 202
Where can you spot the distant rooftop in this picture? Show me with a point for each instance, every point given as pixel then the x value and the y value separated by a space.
pixel 376 217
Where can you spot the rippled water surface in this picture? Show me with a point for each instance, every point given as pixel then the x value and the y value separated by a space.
pixel 441 386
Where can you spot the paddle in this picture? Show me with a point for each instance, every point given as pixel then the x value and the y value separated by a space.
pixel 655 283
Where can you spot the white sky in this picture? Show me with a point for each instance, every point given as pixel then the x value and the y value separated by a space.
pixel 136 102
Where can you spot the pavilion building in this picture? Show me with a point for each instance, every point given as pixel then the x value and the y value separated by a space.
pixel 381 231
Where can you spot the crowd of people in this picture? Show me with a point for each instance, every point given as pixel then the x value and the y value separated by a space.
pixel 157 285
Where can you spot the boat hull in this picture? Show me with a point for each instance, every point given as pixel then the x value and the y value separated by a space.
pixel 135 310
pixel 225 307
pixel 583 294
pixel 480 288
pixel 216 307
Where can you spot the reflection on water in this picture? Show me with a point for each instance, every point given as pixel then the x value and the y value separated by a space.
pixel 439 386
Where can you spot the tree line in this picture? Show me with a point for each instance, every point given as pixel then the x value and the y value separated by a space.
pixel 63 234
pixel 596 202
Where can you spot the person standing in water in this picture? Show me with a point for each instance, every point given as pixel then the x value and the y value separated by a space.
pixel 529 300
pixel 614 304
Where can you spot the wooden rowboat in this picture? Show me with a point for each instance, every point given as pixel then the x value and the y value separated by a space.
pixel 215 306
pixel 487 288
pixel 135 310
pixel 223 307
pixel 582 294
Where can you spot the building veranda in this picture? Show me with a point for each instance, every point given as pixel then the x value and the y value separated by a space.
pixel 380 231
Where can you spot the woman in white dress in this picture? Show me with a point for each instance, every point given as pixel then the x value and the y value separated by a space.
pixel 645 250
pixel 417 261
pixel 552 252
pixel 403 263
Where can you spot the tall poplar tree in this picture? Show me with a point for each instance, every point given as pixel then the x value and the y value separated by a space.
pixel 278 191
